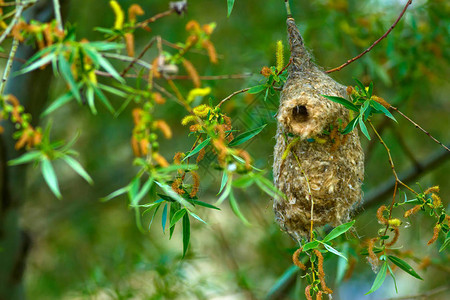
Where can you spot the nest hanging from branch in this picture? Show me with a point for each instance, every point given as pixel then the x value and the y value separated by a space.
pixel 313 161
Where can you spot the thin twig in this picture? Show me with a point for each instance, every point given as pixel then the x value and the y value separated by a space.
pixel 19 10
pixel 149 44
pixel 57 9
pixel 9 63
pixel 154 18
pixel 217 77
pixel 391 162
pixel 198 51
pixel 375 43
pixel 128 59
pixel 418 126
pixel 234 94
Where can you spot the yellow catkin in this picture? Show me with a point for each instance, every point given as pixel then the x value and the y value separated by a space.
pixel 211 51
pixel 326 289
pixel 202 110
pixel 165 129
pixel 280 56
pixel 188 119
pixel 192 26
pixel 198 92
pixel 158 98
pixel 129 42
pixel 395 238
pixel 135 146
pixel 433 189
pixel 296 261
pixel 373 258
pixel 436 200
pixel 412 211
pixel 381 219
pixel 192 73
pixel 178 157
pixel 160 160
pixel 118 12
pixel 176 186
pixel 195 185
pixel 435 236
pixel 381 101
pixel 395 222
pixel 133 11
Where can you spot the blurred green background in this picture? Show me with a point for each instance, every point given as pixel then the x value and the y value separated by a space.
pixel 85 249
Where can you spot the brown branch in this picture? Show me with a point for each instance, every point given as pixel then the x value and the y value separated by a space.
pixel 149 44
pixel 375 43
pixel 154 18
pixel 418 127
pixel 232 95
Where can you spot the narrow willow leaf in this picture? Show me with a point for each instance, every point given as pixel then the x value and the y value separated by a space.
pixel 235 207
pixel 50 177
pixel 381 276
pixel 369 93
pixel 144 191
pixel 273 191
pixel 224 181
pixel 230 4
pixel 91 100
pixel 198 148
pixel 226 192
pixel 116 193
pixel 338 231
pixel 244 181
pixel 361 86
pixel 350 126
pixel 257 89
pixel 66 72
pixel 204 204
pixel 172 194
pixel 164 218
pixel 282 281
pixel 26 158
pixel 343 101
pixel 77 167
pixel 382 109
pixel 445 244
pixel 42 62
pixel 186 233
pixel 311 245
pixel 393 278
pixel 112 90
pixel 364 128
pixel 334 251
pixel 104 100
pixel 242 138
pixel 58 103
pixel 404 266
pixel 342 264
pixel 197 217
pixel 104 63
pixel 177 216
pixel 106 46
pixel 153 216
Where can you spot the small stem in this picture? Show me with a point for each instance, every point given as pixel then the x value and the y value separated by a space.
pixel 234 94
pixel 418 127
pixel 57 9
pixel 149 44
pixel 19 10
pixel 154 18
pixel 375 43
pixel 288 8
pixel 9 63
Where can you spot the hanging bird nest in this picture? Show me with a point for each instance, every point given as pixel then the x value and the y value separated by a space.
pixel 314 164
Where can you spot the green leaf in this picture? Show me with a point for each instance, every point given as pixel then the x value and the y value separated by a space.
pixel 382 109
pixel 343 101
pixel 112 90
pixel 257 89
pixel 91 99
pixel 144 191
pixel 104 100
pixel 172 194
pixel 244 181
pixel 186 233
pixel 226 192
pixel 154 214
pixel 66 72
pixel 381 276
pixel 361 86
pixel 104 63
pixel 224 181
pixel 198 148
pixel 204 204
pixel 404 266
pixel 42 62
pixel 177 216
pixel 341 229
pixel 268 187
pixel 334 251
pixel 26 158
pixel 230 4
pixel 445 244
pixel 116 193
pixel 164 218
pixel 58 103
pixel 197 217
pixel 393 278
pixel 350 126
pixel 242 138
pixel 134 188
pixel 77 167
pixel 310 245
pixel 364 128
pixel 50 177
pixel 370 89
pixel 282 281
pixel 235 208
pixel 342 264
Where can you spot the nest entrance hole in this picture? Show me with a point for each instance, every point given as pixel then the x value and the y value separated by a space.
pixel 300 114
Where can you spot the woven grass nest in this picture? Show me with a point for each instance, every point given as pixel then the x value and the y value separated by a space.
pixel 311 158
